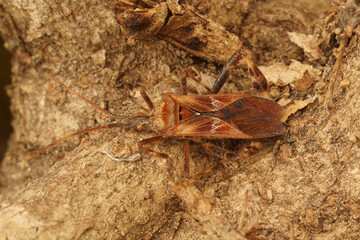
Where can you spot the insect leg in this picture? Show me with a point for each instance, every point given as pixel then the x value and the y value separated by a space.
pixel 257 77
pixel 187 164
pixel 147 99
pixel 149 141
pixel 232 156
pixel 152 140
pixel 188 74
pixel 221 152
pixel 111 115
pixel 72 135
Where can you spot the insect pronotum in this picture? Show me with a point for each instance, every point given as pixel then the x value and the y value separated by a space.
pixel 228 115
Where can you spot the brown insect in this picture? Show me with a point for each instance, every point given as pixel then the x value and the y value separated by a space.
pixel 237 116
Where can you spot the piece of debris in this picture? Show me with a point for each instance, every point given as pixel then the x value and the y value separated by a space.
pixel 282 75
pixel 179 24
pixel 294 106
pixel 303 83
pixel 309 43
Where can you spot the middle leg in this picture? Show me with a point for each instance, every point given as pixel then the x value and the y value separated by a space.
pixel 188 74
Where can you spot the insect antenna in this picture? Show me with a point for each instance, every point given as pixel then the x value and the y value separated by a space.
pixel 111 115
pixel 133 121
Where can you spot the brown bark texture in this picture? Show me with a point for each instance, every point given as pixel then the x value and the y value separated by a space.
pixel 304 184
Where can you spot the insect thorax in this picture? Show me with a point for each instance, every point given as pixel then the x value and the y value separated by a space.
pixel 166 115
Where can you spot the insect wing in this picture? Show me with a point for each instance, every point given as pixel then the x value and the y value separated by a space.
pixel 210 127
pixel 207 103
pixel 257 123
pixel 254 116
pixel 231 116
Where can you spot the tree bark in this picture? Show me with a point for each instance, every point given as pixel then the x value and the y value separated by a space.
pixel 307 180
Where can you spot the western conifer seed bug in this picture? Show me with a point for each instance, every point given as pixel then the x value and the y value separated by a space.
pixel 228 115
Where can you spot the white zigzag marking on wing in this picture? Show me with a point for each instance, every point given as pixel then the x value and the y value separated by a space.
pixel 216 103
pixel 215 125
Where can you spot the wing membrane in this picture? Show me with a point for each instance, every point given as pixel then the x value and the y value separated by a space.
pixel 257 123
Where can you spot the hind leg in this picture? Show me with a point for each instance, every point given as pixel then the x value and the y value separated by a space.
pixel 258 79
